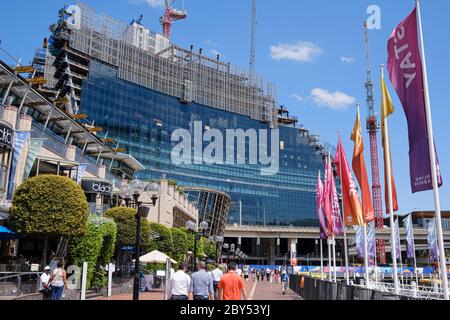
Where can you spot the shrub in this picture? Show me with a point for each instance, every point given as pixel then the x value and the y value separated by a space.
pixel 161 239
pixel 180 244
pixel 125 219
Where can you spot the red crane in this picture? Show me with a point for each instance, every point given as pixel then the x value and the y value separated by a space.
pixel 373 127
pixel 170 16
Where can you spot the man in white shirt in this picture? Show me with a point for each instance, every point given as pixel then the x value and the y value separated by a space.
pixel 44 288
pixel 179 284
pixel 239 272
pixel 217 275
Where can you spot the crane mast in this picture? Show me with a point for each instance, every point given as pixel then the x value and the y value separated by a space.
pixel 253 40
pixel 373 127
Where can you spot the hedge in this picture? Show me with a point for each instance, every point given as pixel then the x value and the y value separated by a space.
pixel 161 239
pixel 180 244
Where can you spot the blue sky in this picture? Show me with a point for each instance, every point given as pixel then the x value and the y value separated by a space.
pixel 312 50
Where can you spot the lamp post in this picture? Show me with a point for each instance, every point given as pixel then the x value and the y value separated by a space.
pixel 198 231
pixel 131 194
pixel 218 241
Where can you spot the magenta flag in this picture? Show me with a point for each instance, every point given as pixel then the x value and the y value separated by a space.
pixel 405 71
pixel 319 198
pixel 336 219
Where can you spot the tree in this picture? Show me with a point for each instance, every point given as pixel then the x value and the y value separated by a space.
pixel 180 244
pixel 125 219
pixel 50 205
pixel 161 239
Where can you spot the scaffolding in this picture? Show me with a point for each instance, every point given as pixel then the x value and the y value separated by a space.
pixel 187 75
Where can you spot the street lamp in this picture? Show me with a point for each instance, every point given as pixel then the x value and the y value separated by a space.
pixel 131 193
pixel 198 233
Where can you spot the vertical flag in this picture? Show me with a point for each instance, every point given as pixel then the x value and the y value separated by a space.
pixel 19 144
pixel 336 219
pixel 359 241
pixel 35 147
pixel 81 172
pixel 319 196
pixel 409 237
pixel 432 240
pixel 371 240
pixel 352 205
pixel 405 71
pixel 387 108
pixel 359 168
pixel 397 239
pixel 326 202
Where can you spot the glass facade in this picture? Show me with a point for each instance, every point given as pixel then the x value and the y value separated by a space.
pixel 143 120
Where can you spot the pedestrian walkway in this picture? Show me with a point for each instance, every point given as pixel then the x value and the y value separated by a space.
pixel 272 292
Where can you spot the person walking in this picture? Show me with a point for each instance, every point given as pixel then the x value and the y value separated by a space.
pixel 258 275
pixel 232 286
pixel 246 274
pixel 267 274
pixel 217 275
pixel 201 286
pixel 284 280
pixel 179 284
pixel 44 287
pixel 58 281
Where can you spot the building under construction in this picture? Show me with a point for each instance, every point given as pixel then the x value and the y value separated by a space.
pixel 140 88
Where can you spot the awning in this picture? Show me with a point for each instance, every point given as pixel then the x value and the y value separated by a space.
pixel 155 257
pixel 6 234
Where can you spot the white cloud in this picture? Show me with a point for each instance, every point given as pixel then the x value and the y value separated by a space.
pixel 151 3
pixel 299 98
pixel 302 51
pixel 347 59
pixel 333 100
pixel 211 43
pixel 215 53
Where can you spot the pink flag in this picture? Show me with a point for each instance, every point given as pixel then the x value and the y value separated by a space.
pixel 319 198
pixel 405 71
pixel 332 199
pixel 326 197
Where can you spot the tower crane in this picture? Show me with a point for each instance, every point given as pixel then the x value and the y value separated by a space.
pixel 253 40
pixel 373 127
pixel 170 16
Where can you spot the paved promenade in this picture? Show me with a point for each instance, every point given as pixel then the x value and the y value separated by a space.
pixel 255 291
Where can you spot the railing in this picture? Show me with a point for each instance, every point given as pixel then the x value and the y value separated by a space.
pixel 98 210
pixel 52 141
pixel 92 166
pixel 17 283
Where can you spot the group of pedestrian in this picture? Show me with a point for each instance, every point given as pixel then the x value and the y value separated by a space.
pixel 204 285
pixel 52 283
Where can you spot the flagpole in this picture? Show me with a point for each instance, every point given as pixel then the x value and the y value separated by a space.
pixel 347 272
pixel 433 159
pixel 329 258
pixel 334 260
pixel 366 256
pixel 400 253
pixel 387 151
pixel 414 248
pixel 321 259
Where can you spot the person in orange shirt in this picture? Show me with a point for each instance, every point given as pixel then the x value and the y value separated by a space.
pixel 231 286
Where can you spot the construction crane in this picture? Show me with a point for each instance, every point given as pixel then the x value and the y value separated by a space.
pixel 253 40
pixel 373 127
pixel 170 16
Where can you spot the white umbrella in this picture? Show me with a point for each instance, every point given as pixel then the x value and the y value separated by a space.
pixel 156 257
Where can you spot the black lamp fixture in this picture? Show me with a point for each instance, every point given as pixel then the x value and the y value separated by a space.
pixel 198 231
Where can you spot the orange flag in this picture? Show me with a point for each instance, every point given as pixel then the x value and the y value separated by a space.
pixel 359 168
pixel 352 204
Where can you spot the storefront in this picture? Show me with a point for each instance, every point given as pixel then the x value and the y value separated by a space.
pixel 99 195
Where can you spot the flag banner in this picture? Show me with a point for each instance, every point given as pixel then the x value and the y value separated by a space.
pixel 371 240
pixel 81 172
pixel 359 241
pixel 326 198
pixel 432 240
pixel 359 168
pixel 352 205
pixel 338 228
pixel 19 143
pixel 35 146
pixel 405 71
pixel 409 237
pixel 387 108
pixel 319 196
pixel 397 240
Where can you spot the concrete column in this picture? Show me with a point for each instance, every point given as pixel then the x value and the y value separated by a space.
pixel 102 172
pixel 70 152
pixel 24 124
pixel 10 116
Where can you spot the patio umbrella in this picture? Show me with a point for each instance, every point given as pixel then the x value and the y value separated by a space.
pixel 156 257
pixel 6 234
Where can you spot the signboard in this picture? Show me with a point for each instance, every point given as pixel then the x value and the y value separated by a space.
pixel 98 187
pixel 6 136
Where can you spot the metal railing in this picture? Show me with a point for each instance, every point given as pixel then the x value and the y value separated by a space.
pixel 18 283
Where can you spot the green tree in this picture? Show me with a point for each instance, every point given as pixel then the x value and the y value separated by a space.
pixel 50 205
pixel 96 248
pixel 180 244
pixel 161 239
pixel 125 219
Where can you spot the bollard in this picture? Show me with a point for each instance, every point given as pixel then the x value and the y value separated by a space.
pixel 83 281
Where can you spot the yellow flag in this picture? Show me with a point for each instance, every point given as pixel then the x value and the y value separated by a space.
pixel 387 108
